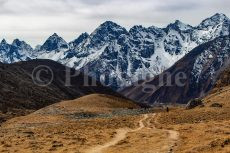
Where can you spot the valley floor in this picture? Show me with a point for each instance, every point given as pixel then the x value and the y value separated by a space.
pixel 60 128
pixel 129 134
pixel 132 134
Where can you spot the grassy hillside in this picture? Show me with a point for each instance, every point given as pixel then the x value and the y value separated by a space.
pixel 203 129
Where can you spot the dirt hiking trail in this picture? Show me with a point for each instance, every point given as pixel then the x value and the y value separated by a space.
pixel 144 123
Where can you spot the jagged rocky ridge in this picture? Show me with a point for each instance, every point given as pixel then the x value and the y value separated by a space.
pixel 118 56
pixel 201 68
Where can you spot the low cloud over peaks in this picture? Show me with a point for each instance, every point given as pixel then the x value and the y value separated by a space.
pixel 34 20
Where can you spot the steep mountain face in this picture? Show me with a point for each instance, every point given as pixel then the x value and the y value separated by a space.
pixel 53 48
pixel 17 51
pixel 214 26
pixel 191 77
pixel 119 57
pixel 18 90
pixel 4 49
pixel 54 42
pixel 78 41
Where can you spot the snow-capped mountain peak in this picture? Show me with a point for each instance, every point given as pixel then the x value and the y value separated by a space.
pixel 81 37
pixel 21 44
pixel 212 27
pixel 17 51
pixel 137 28
pixel 108 30
pixel 16 42
pixel 55 35
pixel 79 40
pixel 54 42
pixel 3 42
pixel 54 48
pixel 4 48
pixel 138 31
pixel 178 25
pixel 214 20
pixel 110 24
pixel 220 17
pixel 124 56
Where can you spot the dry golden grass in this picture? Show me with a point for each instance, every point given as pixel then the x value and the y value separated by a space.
pixel 94 103
pixel 51 129
pixel 148 140
pixel 219 95
pixel 202 130
pixel 99 102
pixel 60 135
pixel 81 135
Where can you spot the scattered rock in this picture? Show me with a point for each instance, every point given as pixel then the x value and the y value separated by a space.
pixel 215 143
pixel 220 142
pixel 194 103
pixel 29 132
pixel 57 144
pixel 7 145
pixel 227 141
pixel 216 105
pixel 116 112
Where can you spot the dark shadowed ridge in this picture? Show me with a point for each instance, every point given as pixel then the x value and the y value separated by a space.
pixel 18 91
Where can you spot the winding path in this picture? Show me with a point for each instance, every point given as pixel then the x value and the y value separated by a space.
pixel 121 134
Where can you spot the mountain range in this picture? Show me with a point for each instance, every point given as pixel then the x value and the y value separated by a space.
pixel 201 68
pixel 117 56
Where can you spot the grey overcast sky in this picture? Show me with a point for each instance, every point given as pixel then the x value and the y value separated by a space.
pixel 35 20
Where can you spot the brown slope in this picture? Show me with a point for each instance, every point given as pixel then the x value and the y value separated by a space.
pixel 203 129
pixel 223 79
pixel 58 128
pixel 19 93
pixel 193 87
pixel 80 108
pixel 93 103
pixel 221 91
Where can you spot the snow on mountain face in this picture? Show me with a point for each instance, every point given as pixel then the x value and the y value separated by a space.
pixel 17 51
pixel 217 25
pixel 92 46
pixel 179 26
pixel 4 49
pixel 120 57
pixel 201 66
pixel 78 41
pixel 211 60
pixel 54 42
pixel 54 48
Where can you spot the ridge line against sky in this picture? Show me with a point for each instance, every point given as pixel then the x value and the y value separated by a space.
pixel 33 21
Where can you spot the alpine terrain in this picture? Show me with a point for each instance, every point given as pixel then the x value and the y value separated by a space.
pixel 197 72
pixel 117 56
